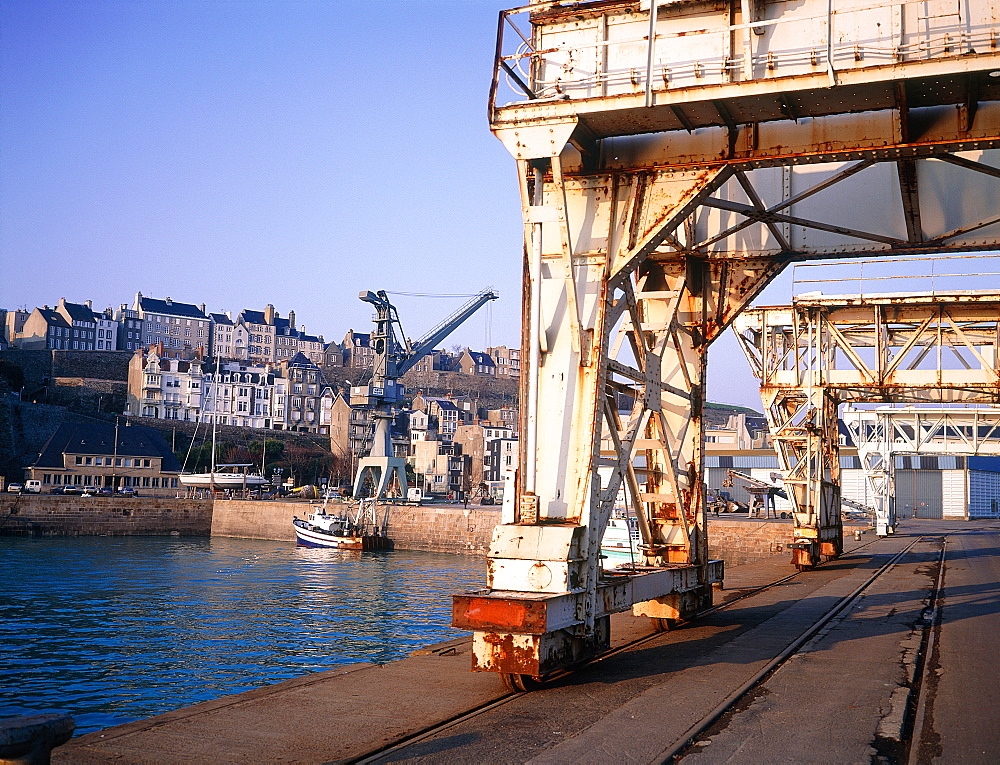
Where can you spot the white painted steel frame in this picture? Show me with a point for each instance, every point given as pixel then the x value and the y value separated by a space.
pixel 648 229
pixel 823 351
pixel 880 434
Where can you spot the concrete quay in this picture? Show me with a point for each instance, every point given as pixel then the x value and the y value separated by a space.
pixel 446 528
pixel 840 699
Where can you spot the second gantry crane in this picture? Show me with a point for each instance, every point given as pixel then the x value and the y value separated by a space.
pixel 383 395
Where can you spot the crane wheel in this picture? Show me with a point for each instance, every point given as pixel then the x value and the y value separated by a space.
pixel 517 683
pixel 663 625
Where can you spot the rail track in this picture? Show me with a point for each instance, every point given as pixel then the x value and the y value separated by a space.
pixel 681 745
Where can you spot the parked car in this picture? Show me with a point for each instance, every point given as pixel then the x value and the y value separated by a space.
pixel 105 491
pixel 68 490
pixel 14 488
pixel 89 491
pixel 127 491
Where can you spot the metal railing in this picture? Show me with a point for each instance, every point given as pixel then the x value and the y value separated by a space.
pixel 930 275
pixel 831 45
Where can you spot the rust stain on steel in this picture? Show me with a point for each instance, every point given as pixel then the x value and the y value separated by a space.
pixel 482 614
pixel 505 656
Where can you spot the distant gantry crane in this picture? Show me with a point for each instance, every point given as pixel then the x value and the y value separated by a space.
pixel 672 158
pixel 383 395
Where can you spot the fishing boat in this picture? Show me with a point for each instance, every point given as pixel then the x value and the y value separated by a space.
pixel 621 541
pixel 365 531
pixel 230 476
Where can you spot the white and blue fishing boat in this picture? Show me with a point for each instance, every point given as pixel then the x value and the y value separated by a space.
pixel 621 541
pixel 365 531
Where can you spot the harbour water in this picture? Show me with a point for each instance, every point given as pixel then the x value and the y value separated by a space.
pixel 113 629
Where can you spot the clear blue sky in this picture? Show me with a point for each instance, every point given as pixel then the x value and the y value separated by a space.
pixel 240 153
pixel 244 152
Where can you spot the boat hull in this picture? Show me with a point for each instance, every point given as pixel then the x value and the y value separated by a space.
pixel 307 537
pixel 222 480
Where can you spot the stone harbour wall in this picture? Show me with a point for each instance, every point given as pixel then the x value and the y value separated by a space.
pixel 435 528
pixel 255 519
pixel 444 528
pixel 103 516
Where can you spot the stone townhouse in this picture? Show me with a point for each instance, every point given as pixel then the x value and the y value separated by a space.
pixel 333 355
pixel 445 414
pixel 358 353
pixel 507 361
pixel 45 329
pixel 475 439
pixel 477 363
pixel 306 396
pixel 272 339
pixel 68 326
pixel 176 325
pixel 223 344
pixel 193 390
pixel 239 394
pixel 107 331
pixel 129 329
pixel 261 331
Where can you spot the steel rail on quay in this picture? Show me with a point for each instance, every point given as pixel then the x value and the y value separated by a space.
pixel 410 748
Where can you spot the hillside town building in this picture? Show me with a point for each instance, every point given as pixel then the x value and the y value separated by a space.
pixel 105 455
pixel 175 325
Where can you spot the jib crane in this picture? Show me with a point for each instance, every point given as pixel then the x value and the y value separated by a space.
pixel 395 355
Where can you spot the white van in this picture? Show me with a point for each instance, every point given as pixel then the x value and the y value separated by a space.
pixel 33 487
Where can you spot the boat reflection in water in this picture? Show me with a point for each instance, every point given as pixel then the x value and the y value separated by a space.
pixel 113 629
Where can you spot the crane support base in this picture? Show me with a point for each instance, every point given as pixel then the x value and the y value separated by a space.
pixel 540 633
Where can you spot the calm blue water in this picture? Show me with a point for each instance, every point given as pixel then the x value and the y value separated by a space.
pixel 113 629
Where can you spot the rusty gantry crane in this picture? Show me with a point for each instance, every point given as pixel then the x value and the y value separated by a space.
pixel 823 351
pixel 673 157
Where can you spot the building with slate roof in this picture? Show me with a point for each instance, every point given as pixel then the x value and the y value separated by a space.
pixel 477 363
pixel 68 326
pixel 45 329
pixel 306 401
pixel 176 325
pixel 358 353
pixel 101 454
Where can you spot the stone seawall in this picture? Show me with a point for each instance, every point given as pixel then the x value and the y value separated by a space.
pixel 249 519
pixel 435 528
pixel 444 528
pixel 103 516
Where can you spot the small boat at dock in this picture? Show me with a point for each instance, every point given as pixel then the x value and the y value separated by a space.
pixel 341 532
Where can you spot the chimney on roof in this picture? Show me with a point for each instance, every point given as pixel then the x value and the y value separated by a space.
pixel 167 300
pixel 291 319
pixel 201 307
pixel 89 304
pixel 269 314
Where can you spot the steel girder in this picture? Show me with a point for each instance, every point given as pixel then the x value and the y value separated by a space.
pixel 822 351
pixel 655 210
pixel 882 433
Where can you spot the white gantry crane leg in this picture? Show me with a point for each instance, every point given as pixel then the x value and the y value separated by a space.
pixel 672 160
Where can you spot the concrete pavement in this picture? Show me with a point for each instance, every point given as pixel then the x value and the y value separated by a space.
pixel 628 708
